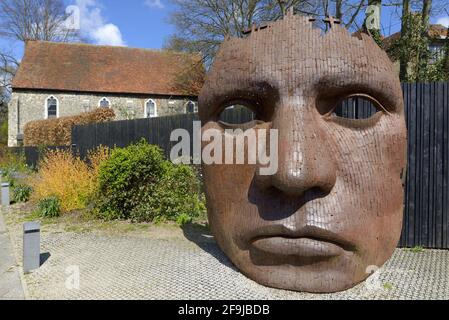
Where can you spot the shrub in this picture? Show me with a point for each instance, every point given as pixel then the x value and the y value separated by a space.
pixel 49 207
pixel 4 133
pixel 58 132
pixel 96 157
pixel 13 167
pixel 183 219
pixel 176 194
pixel 138 183
pixel 12 161
pixel 21 193
pixel 68 177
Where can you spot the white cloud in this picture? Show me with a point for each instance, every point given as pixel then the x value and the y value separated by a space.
pixel 94 25
pixel 154 4
pixel 443 21
pixel 109 34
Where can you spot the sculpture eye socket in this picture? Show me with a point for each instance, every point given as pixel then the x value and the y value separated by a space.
pixel 237 115
pixel 357 107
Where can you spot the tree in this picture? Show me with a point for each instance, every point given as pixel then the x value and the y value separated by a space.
pixel 412 49
pixel 8 67
pixel 404 30
pixel 3 104
pixel 201 25
pixel 427 5
pixel 347 11
pixel 24 20
pixel 372 20
pixel 445 60
pixel 424 52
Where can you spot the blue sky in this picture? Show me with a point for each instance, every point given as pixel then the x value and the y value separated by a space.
pixel 143 23
pixel 134 23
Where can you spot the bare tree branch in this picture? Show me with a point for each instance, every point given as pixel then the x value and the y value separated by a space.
pixel 201 25
pixel 24 20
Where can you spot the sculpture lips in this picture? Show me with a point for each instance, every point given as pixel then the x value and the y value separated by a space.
pixel 309 243
pixel 302 247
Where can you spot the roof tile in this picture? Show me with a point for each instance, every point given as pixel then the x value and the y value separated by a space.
pixel 106 69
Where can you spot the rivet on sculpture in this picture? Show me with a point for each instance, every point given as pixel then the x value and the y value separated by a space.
pixel 333 209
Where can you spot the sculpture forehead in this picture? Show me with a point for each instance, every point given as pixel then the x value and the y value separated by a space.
pixel 291 54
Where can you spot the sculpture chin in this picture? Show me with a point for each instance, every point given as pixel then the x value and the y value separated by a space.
pixel 309 271
pixel 327 281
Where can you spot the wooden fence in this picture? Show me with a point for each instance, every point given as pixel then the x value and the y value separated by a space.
pixel 427 194
pixel 156 130
pixel 426 208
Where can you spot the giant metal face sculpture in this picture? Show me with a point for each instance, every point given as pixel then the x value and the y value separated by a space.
pixel 334 206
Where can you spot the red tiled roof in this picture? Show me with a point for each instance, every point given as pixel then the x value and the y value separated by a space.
pixel 105 69
pixel 436 31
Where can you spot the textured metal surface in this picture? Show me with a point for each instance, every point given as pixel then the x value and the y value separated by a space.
pixel 334 208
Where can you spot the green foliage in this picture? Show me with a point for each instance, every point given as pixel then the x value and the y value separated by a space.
pixel 387 286
pixel 11 161
pixel 49 207
pixel 21 193
pixel 417 249
pixel 124 112
pixel 412 49
pixel 183 219
pixel 437 71
pixel 377 36
pixel 138 183
pixel 13 167
pixel 4 133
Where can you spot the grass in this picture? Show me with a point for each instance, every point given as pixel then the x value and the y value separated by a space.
pixel 83 221
pixel 417 249
pixel 387 286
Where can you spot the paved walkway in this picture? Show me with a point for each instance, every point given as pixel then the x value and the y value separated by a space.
pixel 191 266
pixel 10 283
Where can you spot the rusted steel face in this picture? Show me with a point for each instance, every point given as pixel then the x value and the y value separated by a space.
pixel 333 209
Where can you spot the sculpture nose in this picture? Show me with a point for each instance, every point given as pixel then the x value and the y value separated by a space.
pixel 305 162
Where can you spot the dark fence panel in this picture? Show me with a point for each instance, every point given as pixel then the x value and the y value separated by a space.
pixel 34 154
pixel 155 131
pixel 426 192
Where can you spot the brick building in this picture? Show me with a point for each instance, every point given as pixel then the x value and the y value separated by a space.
pixel 62 79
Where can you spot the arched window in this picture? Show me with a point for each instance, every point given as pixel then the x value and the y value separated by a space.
pixel 51 108
pixel 191 107
pixel 104 103
pixel 150 109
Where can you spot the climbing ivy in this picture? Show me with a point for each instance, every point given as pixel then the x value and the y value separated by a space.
pixel 412 49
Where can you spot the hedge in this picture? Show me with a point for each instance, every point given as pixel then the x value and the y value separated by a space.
pixel 58 132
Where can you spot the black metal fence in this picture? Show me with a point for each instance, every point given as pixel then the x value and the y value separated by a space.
pixel 427 191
